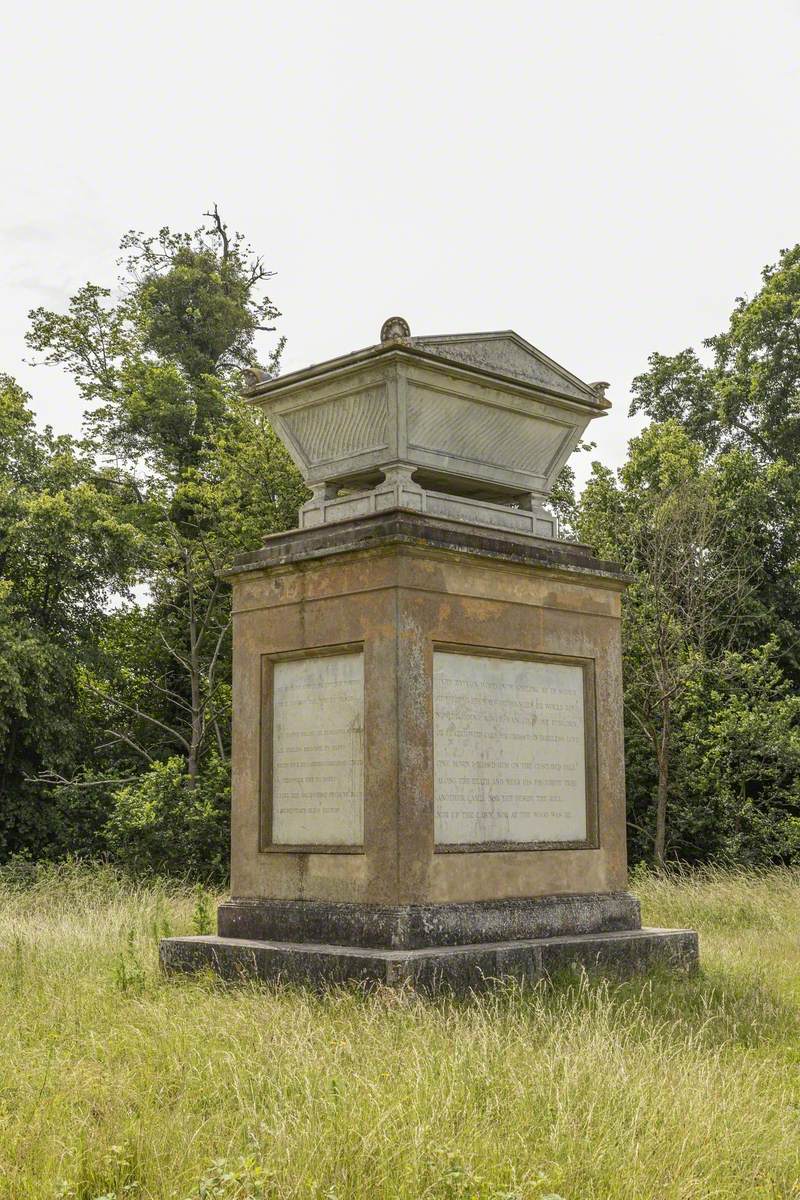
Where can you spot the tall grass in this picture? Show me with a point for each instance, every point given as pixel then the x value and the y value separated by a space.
pixel 116 1082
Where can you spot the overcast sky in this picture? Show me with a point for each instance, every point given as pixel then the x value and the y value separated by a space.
pixel 605 178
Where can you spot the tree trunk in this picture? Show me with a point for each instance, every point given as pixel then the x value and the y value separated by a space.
pixel 663 784
pixel 9 755
pixel 196 737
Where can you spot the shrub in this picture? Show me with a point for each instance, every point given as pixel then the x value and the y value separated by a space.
pixel 164 824
pixel 737 777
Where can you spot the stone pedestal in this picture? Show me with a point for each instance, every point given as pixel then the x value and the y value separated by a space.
pixel 428 761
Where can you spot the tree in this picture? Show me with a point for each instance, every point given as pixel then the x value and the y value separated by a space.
pixel 177 697
pixel 66 549
pixel 738 762
pixel 661 518
pixel 202 474
pixel 748 397
pixel 738 405
pixel 743 407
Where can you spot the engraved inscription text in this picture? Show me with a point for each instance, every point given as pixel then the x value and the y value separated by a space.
pixel 509 751
pixel 318 751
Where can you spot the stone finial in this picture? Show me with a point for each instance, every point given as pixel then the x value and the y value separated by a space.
pixel 253 375
pixel 600 388
pixel 394 328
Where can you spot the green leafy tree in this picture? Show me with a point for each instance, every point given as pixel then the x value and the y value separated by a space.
pixel 67 550
pixel 737 793
pixel 661 518
pixel 748 396
pixel 743 406
pixel 203 474
pixel 726 438
pixel 169 823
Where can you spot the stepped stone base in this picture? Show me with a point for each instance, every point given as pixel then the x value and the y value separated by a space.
pixel 418 926
pixel 459 968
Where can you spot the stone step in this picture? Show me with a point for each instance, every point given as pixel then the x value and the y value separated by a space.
pixel 622 953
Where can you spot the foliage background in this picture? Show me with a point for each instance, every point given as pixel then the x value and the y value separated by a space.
pixel 115 624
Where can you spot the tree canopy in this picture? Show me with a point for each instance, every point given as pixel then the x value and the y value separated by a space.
pixel 122 538
pixel 115 672
pixel 705 515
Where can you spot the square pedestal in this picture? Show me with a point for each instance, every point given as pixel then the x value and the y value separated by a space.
pixel 428 762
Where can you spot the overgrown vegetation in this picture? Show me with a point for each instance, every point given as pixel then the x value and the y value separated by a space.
pixel 705 516
pixel 115 623
pixel 115 664
pixel 118 1083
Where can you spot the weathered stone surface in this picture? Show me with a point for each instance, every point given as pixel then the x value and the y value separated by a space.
pixel 317 751
pixel 399 591
pixel 459 968
pixel 483 418
pixel 506 353
pixel 401 528
pixel 428 759
pixel 415 926
pixel 398 491
pixel 509 742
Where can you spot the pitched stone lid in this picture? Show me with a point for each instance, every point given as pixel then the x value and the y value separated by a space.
pixel 502 354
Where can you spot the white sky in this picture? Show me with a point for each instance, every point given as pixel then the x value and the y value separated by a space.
pixel 605 178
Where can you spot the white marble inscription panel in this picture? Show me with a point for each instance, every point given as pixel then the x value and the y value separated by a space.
pixel 318 751
pixel 509 750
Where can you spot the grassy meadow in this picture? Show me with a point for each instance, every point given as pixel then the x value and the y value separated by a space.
pixel 118 1083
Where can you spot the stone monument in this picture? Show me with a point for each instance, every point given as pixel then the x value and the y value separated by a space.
pixel 428 767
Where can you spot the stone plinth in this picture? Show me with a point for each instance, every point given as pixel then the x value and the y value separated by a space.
pixel 457 968
pixel 428 777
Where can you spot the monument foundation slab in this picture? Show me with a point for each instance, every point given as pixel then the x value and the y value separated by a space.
pixel 455 968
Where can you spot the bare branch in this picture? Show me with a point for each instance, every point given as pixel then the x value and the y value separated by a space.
pixel 53 779
pixel 258 272
pixel 222 230
pixel 174 652
pixel 118 736
pixel 220 745
pixel 212 665
pixel 173 697
pixel 137 712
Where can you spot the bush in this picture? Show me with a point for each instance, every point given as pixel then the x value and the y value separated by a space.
pixel 163 824
pixel 742 752
pixel 735 778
